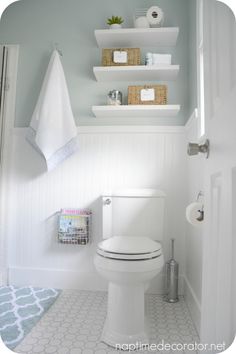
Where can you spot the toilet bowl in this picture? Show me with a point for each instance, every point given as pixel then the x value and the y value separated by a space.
pixel 128 263
pixel 129 258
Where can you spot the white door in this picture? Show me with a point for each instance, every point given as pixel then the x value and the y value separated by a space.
pixel 8 77
pixel 219 245
pixel 2 103
pixel 1 74
pixel 1 48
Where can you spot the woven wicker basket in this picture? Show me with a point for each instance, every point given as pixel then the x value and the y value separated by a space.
pixel 133 55
pixel 134 94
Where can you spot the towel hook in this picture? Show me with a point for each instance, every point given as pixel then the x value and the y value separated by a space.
pixel 56 47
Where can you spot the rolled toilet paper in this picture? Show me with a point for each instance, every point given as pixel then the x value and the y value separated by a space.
pixel 193 212
pixel 155 16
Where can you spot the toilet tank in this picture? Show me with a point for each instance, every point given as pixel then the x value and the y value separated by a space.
pixel 134 213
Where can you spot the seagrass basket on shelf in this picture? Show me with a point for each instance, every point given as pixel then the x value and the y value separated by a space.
pixel 131 56
pixel 148 94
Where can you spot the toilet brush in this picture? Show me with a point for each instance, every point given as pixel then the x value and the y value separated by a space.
pixel 172 273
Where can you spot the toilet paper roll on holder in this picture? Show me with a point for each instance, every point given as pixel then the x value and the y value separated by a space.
pixel 201 211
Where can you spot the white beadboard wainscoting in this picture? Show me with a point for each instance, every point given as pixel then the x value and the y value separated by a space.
pixel 109 158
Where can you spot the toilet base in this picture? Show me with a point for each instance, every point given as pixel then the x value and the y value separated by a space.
pixel 123 342
pixel 125 323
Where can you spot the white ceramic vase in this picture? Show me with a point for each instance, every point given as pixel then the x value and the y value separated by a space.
pixel 115 26
pixel 141 22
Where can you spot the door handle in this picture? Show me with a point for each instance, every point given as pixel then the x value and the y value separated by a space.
pixel 195 149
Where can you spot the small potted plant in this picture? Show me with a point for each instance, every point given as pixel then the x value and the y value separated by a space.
pixel 115 22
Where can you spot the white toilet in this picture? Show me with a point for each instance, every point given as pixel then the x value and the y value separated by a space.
pixel 129 258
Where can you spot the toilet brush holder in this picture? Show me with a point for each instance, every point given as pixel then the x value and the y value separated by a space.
pixel 172 275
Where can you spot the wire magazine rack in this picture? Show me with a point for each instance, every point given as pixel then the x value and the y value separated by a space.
pixel 74 226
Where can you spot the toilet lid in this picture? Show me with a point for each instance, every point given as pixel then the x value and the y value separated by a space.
pixel 129 248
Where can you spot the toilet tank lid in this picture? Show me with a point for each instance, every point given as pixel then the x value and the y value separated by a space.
pixel 143 193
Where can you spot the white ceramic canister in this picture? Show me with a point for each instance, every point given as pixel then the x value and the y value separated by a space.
pixel 114 98
pixel 141 22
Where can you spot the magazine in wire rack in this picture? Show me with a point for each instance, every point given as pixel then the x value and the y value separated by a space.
pixel 74 226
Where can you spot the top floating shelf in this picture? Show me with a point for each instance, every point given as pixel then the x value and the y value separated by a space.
pixel 140 37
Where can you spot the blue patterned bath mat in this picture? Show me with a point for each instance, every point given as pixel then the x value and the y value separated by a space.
pixel 21 309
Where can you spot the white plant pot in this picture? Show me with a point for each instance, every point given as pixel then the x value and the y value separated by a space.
pixel 115 26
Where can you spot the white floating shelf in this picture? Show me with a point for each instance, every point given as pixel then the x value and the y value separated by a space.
pixel 136 111
pixel 136 73
pixel 140 37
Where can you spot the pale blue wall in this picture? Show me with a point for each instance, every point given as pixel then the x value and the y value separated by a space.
pixel 35 24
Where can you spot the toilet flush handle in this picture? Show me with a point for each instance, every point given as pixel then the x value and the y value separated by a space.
pixel 107 201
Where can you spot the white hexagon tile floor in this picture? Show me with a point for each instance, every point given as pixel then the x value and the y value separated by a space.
pixel 74 323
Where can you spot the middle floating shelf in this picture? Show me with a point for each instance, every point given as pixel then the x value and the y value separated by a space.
pixel 136 111
pixel 136 73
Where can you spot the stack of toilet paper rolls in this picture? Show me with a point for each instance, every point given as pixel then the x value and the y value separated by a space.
pixel 153 17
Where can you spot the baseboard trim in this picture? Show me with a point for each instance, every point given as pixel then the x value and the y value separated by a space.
pixel 193 304
pixel 3 277
pixel 60 279
pixel 68 279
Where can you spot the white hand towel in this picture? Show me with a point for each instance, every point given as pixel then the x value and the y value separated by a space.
pixel 52 130
pixel 161 59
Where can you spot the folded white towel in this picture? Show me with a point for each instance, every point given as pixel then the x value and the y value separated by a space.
pixel 52 130
pixel 161 58
pixel 157 59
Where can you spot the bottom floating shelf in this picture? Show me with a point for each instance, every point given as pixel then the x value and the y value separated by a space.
pixel 136 111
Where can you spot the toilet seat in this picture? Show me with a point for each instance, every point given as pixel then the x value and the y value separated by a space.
pixel 129 248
